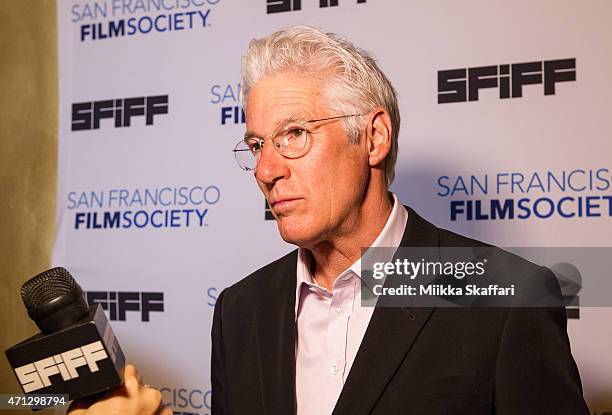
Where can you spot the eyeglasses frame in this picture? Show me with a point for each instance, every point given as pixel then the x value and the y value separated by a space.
pixel 269 137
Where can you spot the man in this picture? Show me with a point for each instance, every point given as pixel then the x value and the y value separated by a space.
pixel 322 130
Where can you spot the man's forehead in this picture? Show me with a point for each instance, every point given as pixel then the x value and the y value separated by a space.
pixel 276 123
pixel 280 99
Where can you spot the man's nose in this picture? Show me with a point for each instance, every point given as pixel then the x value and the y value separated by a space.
pixel 271 166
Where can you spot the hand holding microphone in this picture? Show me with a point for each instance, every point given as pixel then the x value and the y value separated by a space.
pixel 76 353
pixel 132 398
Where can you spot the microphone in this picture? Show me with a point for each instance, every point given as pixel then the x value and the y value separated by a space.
pixel 76 353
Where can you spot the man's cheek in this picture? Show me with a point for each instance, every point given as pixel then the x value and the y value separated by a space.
pixel 262 188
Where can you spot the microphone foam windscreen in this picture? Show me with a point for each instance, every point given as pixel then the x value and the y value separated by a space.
pixel 44 287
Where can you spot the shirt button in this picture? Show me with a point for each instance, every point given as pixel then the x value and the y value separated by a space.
pixel 340 311
pixel 334 369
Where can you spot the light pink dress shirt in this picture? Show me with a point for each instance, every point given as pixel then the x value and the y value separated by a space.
pixel 331 325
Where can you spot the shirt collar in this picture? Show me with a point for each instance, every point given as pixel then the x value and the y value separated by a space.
pixel 390 236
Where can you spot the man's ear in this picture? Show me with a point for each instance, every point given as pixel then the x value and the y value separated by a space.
pixel 378 135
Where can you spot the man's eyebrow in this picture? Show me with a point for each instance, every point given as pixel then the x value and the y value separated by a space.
pixel 250 134
pixel 292 118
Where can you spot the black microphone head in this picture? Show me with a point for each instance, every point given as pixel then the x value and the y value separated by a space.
pixel 54 300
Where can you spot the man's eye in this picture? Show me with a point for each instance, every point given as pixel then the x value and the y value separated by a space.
pixel 254 145
pixel 295 133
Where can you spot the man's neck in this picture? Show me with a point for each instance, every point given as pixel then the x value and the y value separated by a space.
pixel 331 257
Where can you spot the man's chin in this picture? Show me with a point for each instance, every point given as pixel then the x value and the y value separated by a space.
pixel 294 234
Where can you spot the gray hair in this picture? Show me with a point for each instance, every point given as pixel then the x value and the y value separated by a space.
pixel 356 83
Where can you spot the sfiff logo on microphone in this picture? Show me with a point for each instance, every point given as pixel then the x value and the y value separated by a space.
pixel 36 375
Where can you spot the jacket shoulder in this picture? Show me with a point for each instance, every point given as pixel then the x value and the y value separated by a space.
pixel 450 238
pixel 536 285
pixel 269 278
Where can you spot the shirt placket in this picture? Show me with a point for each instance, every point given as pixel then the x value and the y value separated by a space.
pixel 341 308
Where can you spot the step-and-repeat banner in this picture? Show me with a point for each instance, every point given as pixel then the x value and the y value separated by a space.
pixel 505 137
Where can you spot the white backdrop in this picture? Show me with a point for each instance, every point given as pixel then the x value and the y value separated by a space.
pixel 184 221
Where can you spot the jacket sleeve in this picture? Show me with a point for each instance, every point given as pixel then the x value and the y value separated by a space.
pixel 536 372
pixel 217 366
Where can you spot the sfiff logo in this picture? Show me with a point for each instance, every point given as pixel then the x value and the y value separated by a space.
pixel 36 375
pixel 279 6
pixel 118 304
pixel 464 84
pixel 87 115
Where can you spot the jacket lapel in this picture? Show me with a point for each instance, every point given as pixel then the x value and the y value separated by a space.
pixel 388 338
pixel 276 340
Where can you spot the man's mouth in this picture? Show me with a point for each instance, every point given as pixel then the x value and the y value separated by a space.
pixel 284 204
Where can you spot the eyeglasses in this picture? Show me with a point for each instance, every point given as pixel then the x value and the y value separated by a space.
pixel 290 139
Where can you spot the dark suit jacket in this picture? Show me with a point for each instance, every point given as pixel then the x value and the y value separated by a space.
pixel 418 360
